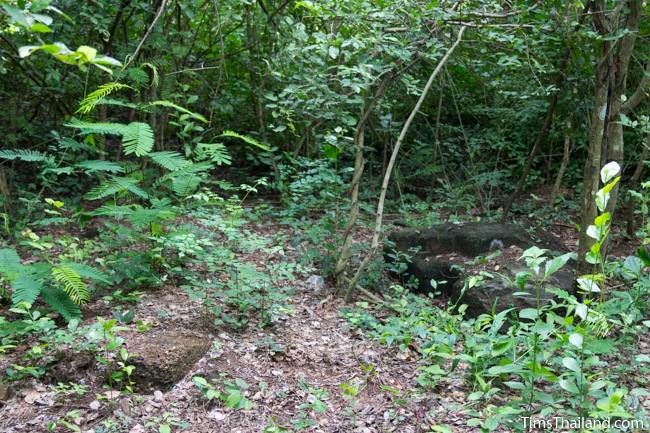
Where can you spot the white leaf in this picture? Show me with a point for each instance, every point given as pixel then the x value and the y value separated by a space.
pixel 593 232
pixel 610 170
pixel 576 339
pixel 581 311
pixel 588 285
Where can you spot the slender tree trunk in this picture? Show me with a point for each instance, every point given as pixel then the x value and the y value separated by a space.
pixel 359 163
pixel 5 190
pixel 628 211
pixel 391 163
pixel 566 155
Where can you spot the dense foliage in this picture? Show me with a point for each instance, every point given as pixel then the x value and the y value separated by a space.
pixel 150 155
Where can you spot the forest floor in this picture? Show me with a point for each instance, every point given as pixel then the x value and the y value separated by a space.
pixel 310 369
pixel 308 354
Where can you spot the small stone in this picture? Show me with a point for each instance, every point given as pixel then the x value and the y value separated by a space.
pixel 137 429
pixel 316 283
pixel 32 396
pixel 94 405
pixel 6 392
pixel 217 416
pixel 158 396
pixel 111 395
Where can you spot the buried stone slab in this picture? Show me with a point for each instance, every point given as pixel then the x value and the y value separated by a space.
pixel 436 251
pixel 501 292
pixel 163 358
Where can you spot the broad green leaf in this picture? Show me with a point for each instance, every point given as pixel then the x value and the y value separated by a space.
pixel 571 364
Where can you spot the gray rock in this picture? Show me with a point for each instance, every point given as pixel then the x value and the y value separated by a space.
pixel 499 292
pixel 316 283
pixel 436 253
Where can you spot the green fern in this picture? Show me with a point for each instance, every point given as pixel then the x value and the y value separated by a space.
pixel 111 210
pixel 188 169
pixel 119 103
pixel 169 104
pixel 169 160
pixel 26 288
pixel 116 185
pixel 142 217
pixel 246 139
pixel 9 261
pixel 185 185
pixel 94 98
pixel 98 165
pixel 24 155
pixel 215 152
pixel 60 302
pixel 103 128
pixel 71 283
pixel 138 139
pixel 89 272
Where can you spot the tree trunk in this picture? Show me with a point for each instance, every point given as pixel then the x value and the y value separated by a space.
pixel 566 155
pixel 606 134
pixel 391 163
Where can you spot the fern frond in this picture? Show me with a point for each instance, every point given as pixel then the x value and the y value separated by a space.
pixel 90 102
pixel 114 186
pixel 9 261
pixel 138 75
pixel 24 155
pixel 60 302
pixel 169 160
pixel 89 272
pixel 215 152
pixel 103 128
pixel 142 217
pixel 26 288
pixel 95 165
pixel 191 168
pixel 71 283
pixel 138 139
pixel 246 139
pixel 185 185
pixel 118 103
pixel 112 210
pixel 170 104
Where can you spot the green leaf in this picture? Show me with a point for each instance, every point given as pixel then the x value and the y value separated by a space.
pixel 528 313
pixel 71 283
pixel 89 272
pixel 98 165
pixel 169 104
pixel 571 364
pixel 515 385
pixel 442 428
pixel 554 265
pixel 102 128
pixel 246 139
pixel 138 139
pixel 164 428
pixel 61 303
pixel 171 161
pixel 569 385
pixel 588 285
pixel 9 260
pixel 26 288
